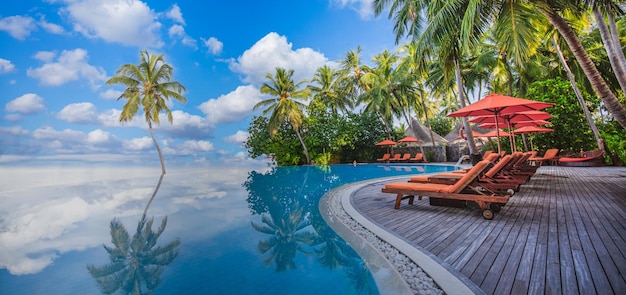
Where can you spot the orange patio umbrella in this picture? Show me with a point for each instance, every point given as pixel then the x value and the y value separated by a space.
pixel 497 133
pixel 517 124
pixel 496 105
pixel 510 119
pixel 412 139
pixel 387 143
pixel 531 129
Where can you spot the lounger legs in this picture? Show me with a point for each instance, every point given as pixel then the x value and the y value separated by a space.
pixel 399 198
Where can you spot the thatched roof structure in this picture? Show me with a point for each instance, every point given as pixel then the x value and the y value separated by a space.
pixel 422 132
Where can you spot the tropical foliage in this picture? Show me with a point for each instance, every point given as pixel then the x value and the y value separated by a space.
pixel 149 87
pixel 456 52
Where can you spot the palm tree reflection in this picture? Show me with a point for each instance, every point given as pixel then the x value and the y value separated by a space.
pixel 136 263
pixel 287 198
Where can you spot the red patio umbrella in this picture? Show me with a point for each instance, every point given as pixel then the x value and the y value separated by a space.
pixel 511 118
pixel 531 129
pixel 498 133
pixel 387 143
pixel 497 105
pixel 517 124
pixel 412 139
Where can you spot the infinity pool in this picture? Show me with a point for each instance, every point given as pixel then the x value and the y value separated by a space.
pixel 227 230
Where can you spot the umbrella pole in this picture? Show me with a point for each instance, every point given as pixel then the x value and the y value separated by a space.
pixel 497 131
pixel 511 136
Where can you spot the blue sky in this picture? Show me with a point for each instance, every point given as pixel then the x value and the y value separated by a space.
pixel 57 54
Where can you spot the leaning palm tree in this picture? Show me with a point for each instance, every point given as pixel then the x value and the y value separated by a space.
pixel 285 105
pixel 148 85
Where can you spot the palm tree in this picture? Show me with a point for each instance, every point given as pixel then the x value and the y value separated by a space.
pixel 148 85
pixel 285 104
pixel 326 89
pixel 390 88
pixel 607 33
pixel 135 264
pixel 550 9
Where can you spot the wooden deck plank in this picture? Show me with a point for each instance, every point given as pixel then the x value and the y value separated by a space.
pixel 563 233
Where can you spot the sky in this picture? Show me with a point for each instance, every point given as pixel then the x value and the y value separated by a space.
pixel 56 55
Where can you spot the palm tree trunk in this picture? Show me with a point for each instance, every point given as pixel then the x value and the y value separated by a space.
pixel 432 136
pixel 593 75
pixel 306 151
pixel 610 47
pixel 157 147
pixel 616 41
pixel 581 100
pixel 468 131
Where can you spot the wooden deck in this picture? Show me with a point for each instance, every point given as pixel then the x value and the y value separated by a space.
pixel 564 232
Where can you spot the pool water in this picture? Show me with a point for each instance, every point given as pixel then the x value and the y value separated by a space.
pixel 230 230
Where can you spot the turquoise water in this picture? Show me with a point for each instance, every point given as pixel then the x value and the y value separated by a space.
pixel 227 231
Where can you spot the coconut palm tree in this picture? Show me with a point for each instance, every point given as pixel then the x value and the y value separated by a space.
pixel 326 89
pixel 612 44
pixel 285 105
pixel 390 87
pixel 148 86
pixel 135 264
pixel 551 11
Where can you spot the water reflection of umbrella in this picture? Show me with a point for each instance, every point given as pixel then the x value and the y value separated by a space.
pixel 497 105
pixel 531 129
pixel 410 139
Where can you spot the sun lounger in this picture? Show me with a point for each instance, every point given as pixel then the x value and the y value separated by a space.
pixel 591 159
pixel 465 189
pixel 405 158
pixel 385 158
pixel 395 158
pixel 549 155
pixel 419 157
pixel 491 180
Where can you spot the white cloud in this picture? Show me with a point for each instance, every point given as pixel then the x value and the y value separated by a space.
pixel 6 66
pixel 239 137
pixel 110 94
pixel 19 27
pixel 138 144
pixel 66 135
pixel 45 56
pixel 185 125
pixel 83 112
pixel 273 51
pixel 128 22
pixel 13 131
pixel 213 45
pixel 175 14
pixel 363 7
pixel 194 146
pixel 178 32
pixel 70 66
pixel 233 106
pixel 50 27
pixel 28 103
pixel 98 136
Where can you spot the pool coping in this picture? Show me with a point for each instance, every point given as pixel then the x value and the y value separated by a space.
pixel 448 279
